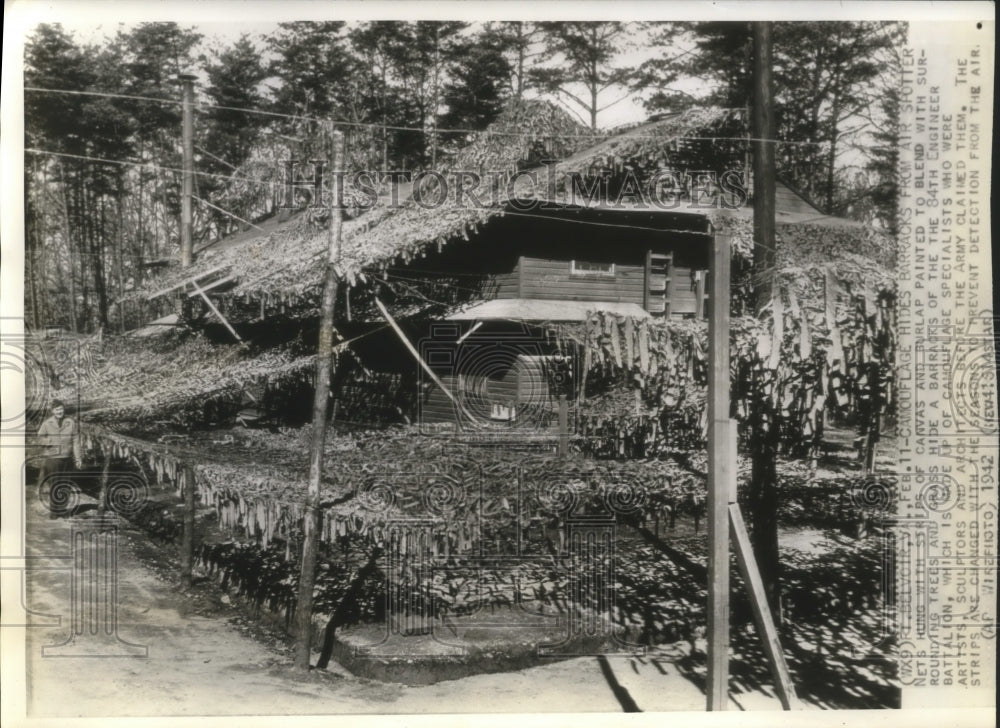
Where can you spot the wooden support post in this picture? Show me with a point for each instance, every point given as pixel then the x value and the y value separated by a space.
pixel 102 497
pixel 187 181
pixel 182 284
pixel 721 479
pixel 324 362
pixel 761 610
pixel 647 274
pixel 734 458
pixel 187 544
pixel 699 295
pixel 423 365
pixel 218 313
pixel 563 426
pixel 872 421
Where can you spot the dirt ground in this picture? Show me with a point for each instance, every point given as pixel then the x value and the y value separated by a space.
pixel 206 655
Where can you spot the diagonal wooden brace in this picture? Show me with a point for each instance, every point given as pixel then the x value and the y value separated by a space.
pixel 761 610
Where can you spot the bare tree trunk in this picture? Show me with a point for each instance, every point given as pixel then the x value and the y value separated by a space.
pixel 43 256
pixel 324 362
pixel 31 243
pixel 120 237
pixel 164 222
pixel 519 91
pixel 81 218
pixel 434 97
pixel 69 249
pixel 140 232
pixel 99 251
pixel 763 428
pixel 832 157
pixel 138 241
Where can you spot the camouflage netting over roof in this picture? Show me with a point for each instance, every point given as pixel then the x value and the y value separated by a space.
pixel 285 265
pixel 133 379
pixel 285 262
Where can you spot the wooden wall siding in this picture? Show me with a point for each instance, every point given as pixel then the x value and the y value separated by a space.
pixel 508 285
pixel 501 285
pixel 435 406
pixel 550 279
pixel 524 384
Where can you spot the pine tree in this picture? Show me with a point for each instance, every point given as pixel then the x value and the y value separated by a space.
pixel 586 54
pixel 479 86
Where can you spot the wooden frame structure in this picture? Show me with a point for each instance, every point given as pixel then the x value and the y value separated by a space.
pixel 724 517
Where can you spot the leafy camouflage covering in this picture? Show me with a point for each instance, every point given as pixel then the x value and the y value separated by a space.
pixel 284 266
pixel 139 382
pixel 826 342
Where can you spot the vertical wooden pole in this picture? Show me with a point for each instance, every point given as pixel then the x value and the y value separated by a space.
pixel 734 459
pixel 120 239
pixel 324 361
pixel 563 426
pixel 187 190
pixel 187 544
pixel 699 295
pixel 721 476
pixel 102 497
pixel 647 272
pixel 872 424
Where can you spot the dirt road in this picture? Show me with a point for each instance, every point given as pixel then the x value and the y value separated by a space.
pixel 205 656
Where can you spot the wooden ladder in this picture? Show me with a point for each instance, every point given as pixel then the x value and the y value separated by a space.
pixel 658 283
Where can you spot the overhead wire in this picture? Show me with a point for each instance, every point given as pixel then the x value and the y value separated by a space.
pixel 271 182
pixel 146 165
pixel 393 127
pixel 514 213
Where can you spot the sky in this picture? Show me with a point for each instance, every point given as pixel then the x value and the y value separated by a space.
pixel 627 111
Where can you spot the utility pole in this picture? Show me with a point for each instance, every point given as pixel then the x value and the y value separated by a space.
pixel 187 191
pixel 324 362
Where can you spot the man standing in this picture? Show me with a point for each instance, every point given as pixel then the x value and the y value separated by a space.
pixel 57 438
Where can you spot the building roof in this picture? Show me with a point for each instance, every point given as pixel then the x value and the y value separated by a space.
pixel 284 264
pixel 533 309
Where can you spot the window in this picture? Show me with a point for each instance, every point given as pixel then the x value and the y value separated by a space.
pixel 591 270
